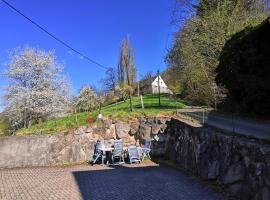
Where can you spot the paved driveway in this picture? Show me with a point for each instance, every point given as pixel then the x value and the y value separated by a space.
pixel 139 182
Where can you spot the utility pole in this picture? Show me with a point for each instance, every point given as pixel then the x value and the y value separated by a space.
pixel 158 90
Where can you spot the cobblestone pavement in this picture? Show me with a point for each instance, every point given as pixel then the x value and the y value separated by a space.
pixel 139 182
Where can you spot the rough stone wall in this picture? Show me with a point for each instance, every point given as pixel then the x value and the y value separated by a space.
pixel 63 148
pixel 78 145
pixel 241 166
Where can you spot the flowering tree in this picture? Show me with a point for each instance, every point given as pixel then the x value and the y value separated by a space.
pixel 87 100
pixel 37 88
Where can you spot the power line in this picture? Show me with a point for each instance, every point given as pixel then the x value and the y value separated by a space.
pixel 53 36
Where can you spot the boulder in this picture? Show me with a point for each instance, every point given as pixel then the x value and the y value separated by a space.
pixel 122 130
pixel 155 128
pixel 213 170
pixel 89 129
pixel 235 173
pixel 145 132
pixel 100 132
pixel 79 131
pixel 107 123
pixel 134 127
pixel 110 133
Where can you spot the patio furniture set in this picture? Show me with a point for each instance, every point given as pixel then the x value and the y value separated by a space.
pixel 113 151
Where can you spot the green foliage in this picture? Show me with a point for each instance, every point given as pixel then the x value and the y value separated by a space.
pixel 199 43
pixel 4 128
pixel 146 82
pixel 87 100
pixel 244 70
pixel 116 111
pixel 171 78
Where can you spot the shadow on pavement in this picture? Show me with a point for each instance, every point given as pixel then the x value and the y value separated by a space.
pixel 140 183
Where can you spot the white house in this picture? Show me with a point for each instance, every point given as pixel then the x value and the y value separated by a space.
pixel 162 85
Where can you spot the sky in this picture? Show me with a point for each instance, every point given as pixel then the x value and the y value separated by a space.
pixel 95 28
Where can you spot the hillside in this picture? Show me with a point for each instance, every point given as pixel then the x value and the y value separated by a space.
pixel 117 111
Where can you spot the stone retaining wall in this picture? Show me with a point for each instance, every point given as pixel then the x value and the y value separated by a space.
pixel 45 150
pixel 240 165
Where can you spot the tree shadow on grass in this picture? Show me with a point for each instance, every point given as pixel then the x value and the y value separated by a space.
pixel 140 182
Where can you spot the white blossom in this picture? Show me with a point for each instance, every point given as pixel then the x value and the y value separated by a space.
pixel 37 88
pixel 87 100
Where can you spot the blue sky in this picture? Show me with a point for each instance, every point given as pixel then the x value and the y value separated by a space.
pixel 96 28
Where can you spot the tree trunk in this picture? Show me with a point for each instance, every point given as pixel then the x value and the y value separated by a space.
pixel 30 121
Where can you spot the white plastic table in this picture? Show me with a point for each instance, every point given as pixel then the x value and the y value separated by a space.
pixel 110 149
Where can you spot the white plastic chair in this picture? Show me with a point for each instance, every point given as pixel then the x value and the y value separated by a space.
pixel 133 154
pixel 118 152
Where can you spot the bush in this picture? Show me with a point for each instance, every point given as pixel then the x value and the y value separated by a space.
pixel 244 70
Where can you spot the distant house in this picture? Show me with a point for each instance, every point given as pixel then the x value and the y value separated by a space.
pixel 163 87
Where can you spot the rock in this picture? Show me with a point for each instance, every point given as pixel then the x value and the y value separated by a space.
pixel 122 130
pixel 259 169
pixel 155 128
pixel 244 152
pixel 145 132
pixel 236 172
pixel 88 130
pixel 97 137
pixel 134 127
pixel 265 194
pixel 79 131
pixel 142 120
pixel 113 130
pixel 110 133
pixel 267 176
pixel 239 190
pixel 107 123
pixel 246 161
pixel 159 137
pixel 213 170
pixel 100 132
pixel 162 120
pixel 129 141
pixel 163 128
pixel 236 158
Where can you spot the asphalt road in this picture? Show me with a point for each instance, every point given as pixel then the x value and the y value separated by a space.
pixel 233 124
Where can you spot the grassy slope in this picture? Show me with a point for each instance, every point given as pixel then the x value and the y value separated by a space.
pixel 118 111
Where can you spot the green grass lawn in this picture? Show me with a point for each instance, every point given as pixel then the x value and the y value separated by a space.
pixel 116 111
